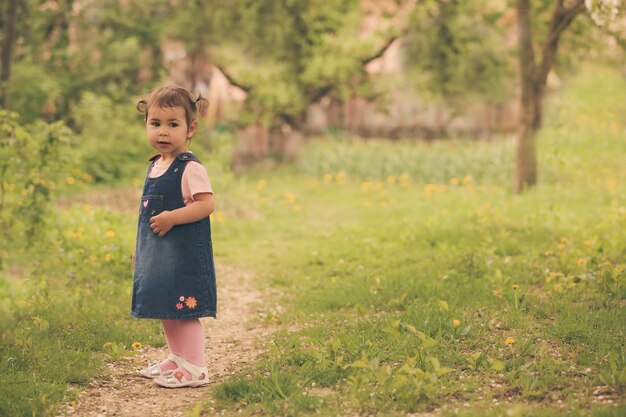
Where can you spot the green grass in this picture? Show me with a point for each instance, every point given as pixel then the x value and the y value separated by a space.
pixel 62 303
pixel 377 250
pixel 379 246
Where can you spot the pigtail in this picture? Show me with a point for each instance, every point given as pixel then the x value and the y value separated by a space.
pixel 201 104
pixel 142 107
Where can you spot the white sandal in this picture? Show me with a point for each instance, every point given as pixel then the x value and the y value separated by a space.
pixel 177 379
pixel 153 370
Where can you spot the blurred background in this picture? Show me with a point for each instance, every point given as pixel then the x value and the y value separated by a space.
pixel 276 72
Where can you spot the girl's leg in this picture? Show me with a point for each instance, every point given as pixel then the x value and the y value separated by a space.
pixel 172 331
pixel 192 343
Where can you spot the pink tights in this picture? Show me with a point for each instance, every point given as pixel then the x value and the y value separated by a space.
pixel 184 338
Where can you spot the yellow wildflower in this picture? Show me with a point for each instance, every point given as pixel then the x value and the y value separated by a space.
pixel 136 345
pixel 548 253
pixel 582 262
pixel 404 180
pixel 391 180
pixel 110 233
pixel 515 286
pixel 456 323
pixel 108 257
pixel 587 242
pixel 454 181
pixel 467 180
pixel 328 177
pixel 290 197
pixel 107 345
pixel 70 180
pixel 509 341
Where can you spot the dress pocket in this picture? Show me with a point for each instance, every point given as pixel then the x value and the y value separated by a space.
pixel 151 205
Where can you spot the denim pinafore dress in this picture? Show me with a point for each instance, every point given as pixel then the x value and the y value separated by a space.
pixel 174 275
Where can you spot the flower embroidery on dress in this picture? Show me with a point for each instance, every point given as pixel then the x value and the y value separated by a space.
pixel 179 375
pixel 191 302
pixel 179 306
pixel 181 298
pixel 145 203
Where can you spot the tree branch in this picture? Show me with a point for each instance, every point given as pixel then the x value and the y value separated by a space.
pixel 526 52
pixel 380 52
pixel 562 17
pixel 7 50
pixel 248 89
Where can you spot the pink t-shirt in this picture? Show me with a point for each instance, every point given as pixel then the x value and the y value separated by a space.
pixel 195 179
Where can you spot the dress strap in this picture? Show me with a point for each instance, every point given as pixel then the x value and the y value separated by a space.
pixel 187 156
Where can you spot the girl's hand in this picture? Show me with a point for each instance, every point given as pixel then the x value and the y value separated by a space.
pixel 162 223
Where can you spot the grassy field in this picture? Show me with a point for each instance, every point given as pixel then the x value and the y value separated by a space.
pixel 421 283
pixel 417 281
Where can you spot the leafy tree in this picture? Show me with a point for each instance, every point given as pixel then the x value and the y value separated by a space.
pixel 286 54
pixel 534 72
pixel 67 47
pixel 455 51
pixel 459 48
pixel 34 160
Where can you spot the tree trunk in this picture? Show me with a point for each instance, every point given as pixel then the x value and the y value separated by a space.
pixel 526 157
pixel 7 51
pixel 533 82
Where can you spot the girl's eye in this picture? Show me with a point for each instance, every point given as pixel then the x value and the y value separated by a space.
pixel 173 124
pixel 155 124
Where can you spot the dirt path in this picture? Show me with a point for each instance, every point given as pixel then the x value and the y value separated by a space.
pixel 231 342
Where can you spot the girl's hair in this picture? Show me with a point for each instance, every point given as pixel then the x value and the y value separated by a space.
pixel 173 97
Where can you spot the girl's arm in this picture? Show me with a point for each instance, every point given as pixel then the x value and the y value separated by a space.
pixel 202 207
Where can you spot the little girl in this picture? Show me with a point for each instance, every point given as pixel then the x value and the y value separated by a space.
pixel 174 278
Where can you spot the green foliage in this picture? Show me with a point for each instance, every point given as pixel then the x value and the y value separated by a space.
pixel 457 51
pixel 111 49
pixel 407 162
pixel 288 53
pixel 112 139
pixel 33 91
pixel 34 159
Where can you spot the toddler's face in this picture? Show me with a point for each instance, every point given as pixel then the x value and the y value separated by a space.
pixel 167 130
